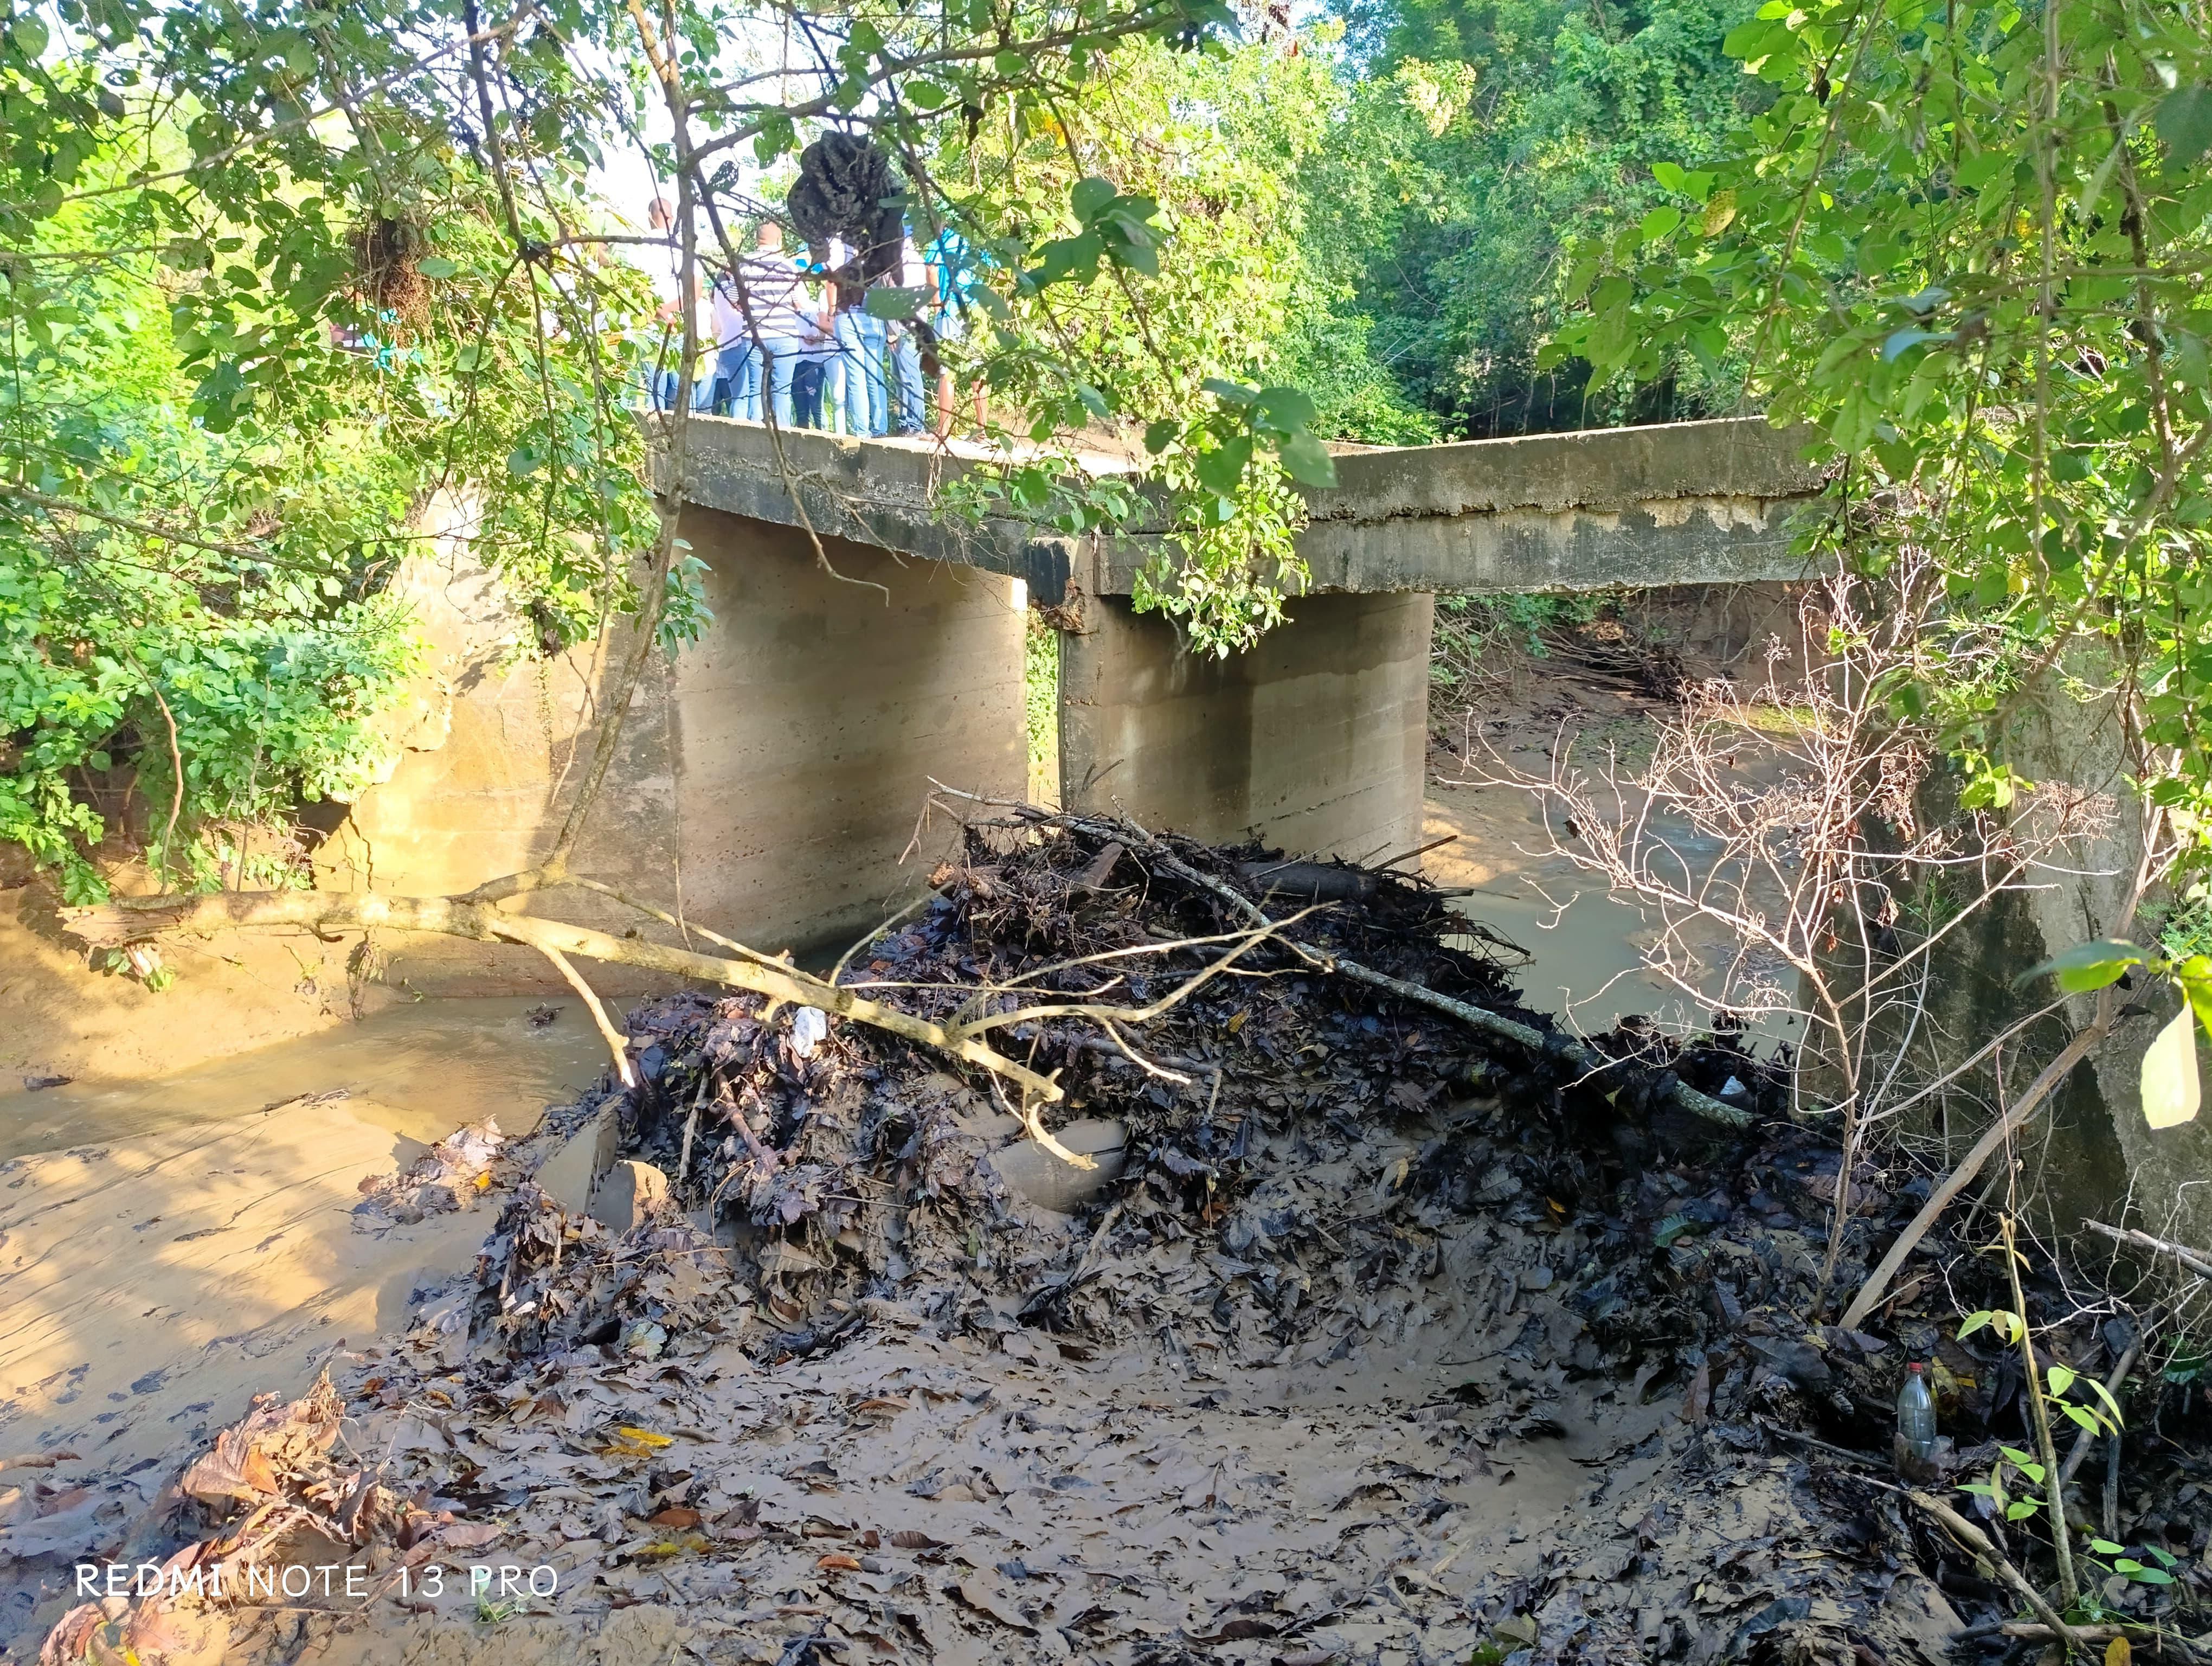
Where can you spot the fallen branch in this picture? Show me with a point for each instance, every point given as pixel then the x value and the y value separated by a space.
pixel 2000 1133
pixel 1978 1542
pixel 2030 1631
pixel 134 918
pixel 1565 1047
pixel 2195 1261
pixel 618 1043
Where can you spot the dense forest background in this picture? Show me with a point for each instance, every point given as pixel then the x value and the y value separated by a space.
pixel 1477 142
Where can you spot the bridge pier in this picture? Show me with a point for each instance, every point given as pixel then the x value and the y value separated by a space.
pixel 813 714
pixel 1313 740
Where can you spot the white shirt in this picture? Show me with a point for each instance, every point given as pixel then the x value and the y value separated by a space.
pixel 776 299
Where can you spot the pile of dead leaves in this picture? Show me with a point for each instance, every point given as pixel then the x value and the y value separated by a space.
pixel 275 1493
pixel 452 1174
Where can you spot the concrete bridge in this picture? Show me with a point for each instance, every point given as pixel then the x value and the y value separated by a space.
pixel 774 774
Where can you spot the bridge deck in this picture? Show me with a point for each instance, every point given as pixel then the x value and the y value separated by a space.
pixel 1681 503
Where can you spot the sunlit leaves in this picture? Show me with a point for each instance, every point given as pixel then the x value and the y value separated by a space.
pixel 1880 258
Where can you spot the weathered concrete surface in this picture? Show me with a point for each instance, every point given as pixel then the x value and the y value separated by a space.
pixel 1679 503
pixel 766 781
pixel 2157 1175
pixel 878 492
pixel 813 717
pixel 1314 739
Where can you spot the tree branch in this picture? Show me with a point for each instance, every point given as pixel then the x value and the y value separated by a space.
pixel 134 918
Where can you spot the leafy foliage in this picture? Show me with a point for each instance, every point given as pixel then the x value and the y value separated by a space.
pixel 292 294
pixel 1482 137
pixel 1207 149
pixel 1969 243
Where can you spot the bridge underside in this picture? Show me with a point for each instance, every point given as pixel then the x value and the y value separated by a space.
pixel 1315 740
pixel 770 778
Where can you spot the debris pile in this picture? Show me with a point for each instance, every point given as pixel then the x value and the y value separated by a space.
pixel 273 1517
pixel 847 1163
pixel 1358 1329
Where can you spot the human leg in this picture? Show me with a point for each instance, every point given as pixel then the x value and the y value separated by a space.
pixel 875 390
pixel 906 364
pixel 729 367
pixel 745 397
pixel 783 370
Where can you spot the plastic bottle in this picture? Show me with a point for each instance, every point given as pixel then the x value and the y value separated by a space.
pixel 1916 1425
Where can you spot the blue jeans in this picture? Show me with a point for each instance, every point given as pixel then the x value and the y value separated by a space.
pixel 810 377
pixel 782 357
pixel 860 342
pixel 913 416
pixel 738 381
pixel 831 367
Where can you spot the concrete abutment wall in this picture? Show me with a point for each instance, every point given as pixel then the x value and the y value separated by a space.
pixel 770 777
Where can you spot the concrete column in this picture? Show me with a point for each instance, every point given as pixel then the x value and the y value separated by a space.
pixel 1313 741
pixel 813 716
pixel 768 777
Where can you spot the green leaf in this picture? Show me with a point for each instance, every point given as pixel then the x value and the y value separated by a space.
pixel 1903 341
pixel 2021 1511
pixel 1284 408
pixel 436 266
pixel 1137 257
pixel 2184 122
pixel 886 302
pixel 1089 196
pixel 1229 392
pixel 1660 220
pixel 1159 435
pixel 27 34
pixel 2087 966
pixel 1222 470
pixel 1978 171
pixel 2188 357
pixel 2060 1378
pixel 2171 1093
pixel 1669 175
pixel 522 462
pixel 1306 459
pixel 2106 1547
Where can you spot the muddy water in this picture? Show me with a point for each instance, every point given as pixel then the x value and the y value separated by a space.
pixel 1588 949
pixel 417 1069
pixel 169 1248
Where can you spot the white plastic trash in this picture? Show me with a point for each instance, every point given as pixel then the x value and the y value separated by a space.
pixel 809 1025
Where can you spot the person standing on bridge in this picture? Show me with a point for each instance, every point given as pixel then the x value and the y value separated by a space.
pixel 861 340
pixel 955 269
pixel 664 346
pixel 736 354
pixel 904 338
pixel 775 305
